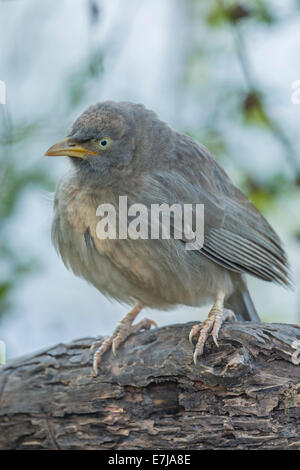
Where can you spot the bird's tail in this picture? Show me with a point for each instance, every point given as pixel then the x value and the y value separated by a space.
pixel 241 304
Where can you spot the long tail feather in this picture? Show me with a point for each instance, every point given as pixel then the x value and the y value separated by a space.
pixel 242 305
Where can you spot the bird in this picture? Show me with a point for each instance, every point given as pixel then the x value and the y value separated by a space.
pixel 123 149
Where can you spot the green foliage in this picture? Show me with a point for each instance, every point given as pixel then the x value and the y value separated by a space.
pixel 223 12
pixel 241 102
pixel 14 180
pixel 5 290
pixel 264 195
pixel 253 109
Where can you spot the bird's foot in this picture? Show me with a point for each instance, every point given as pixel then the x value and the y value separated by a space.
pixel 121 333
pixel 217 316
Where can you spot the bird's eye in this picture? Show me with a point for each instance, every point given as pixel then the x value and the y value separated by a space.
pixel 104 143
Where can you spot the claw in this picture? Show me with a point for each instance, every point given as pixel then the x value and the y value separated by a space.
pixel 95 345
pixel 212 325
pixel 215 340
pixel 95 370
pixel 95 367
pixel 194 331
pixel 121 333
pixel 195 355
pixel 115 344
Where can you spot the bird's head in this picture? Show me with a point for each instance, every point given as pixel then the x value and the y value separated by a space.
pixel 111 140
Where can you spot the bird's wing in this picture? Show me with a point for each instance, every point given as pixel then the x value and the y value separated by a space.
pixel 237 236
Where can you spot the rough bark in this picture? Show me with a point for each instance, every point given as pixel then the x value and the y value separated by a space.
pixel 244 395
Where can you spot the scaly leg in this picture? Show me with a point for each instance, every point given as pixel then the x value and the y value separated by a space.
pixel 216 317
pixel 123 330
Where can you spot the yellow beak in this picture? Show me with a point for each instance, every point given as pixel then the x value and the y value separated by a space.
pixel 67 147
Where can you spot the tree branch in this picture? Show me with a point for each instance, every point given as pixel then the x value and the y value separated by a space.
pixel 244 395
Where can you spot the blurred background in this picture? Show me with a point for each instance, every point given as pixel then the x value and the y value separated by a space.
pixel 221 71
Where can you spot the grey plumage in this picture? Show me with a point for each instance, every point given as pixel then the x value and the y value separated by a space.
pixel 151 163
pixel 241 302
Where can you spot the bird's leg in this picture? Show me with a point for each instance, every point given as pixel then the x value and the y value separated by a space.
pixel 216 317
pixel 123 330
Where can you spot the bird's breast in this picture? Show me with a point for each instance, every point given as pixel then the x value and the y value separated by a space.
pixel 158 273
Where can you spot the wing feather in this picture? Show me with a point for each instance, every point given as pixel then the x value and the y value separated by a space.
pixel 240 238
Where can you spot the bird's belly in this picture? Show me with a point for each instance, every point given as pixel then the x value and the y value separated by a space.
pixel 158 273
pixel 131 271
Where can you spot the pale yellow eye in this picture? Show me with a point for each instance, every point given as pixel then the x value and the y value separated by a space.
pixel 104 143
